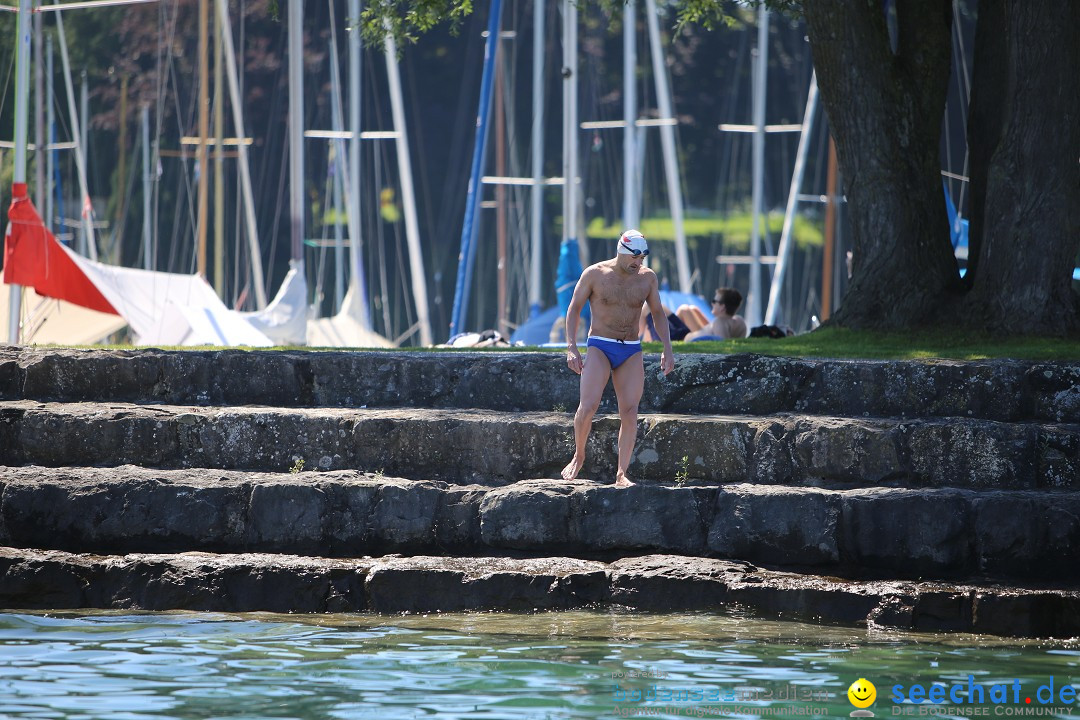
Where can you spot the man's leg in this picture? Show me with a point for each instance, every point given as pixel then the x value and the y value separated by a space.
pixel 629 381
pixel 692 317
pixel 594 377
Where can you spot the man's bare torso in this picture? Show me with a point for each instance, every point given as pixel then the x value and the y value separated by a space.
pixel 616 299
pixel 729 327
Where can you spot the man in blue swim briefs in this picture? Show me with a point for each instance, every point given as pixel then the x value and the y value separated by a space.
pixel 616 289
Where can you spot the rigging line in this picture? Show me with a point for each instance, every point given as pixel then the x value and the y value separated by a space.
pixel 7 82
pixel 731 143
pixel 184 171
pixel 273 131
pixel 241 255
pixel 320 270
pixel 600 168
pixel 404 312
pixel 133 172
pixel 964 80
pixel 162 74
pixel 408 310
pixel 521 242
pixel 454 190
pixel 279 208
pixel 378 159
pixel 416 136
pixel 388 328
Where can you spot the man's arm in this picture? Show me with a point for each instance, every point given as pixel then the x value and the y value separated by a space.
pixel 660 321
pixel 582 291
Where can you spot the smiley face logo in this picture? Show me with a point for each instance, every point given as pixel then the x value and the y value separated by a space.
pixel 862 693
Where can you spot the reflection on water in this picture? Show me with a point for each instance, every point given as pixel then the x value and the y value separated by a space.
pixel 489 666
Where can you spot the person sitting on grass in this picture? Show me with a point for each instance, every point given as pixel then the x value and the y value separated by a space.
pixel 725 324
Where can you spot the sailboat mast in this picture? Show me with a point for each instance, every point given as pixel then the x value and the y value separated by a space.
pixel 408 194
pixel 356 277
pixel 40 190
pixel 474 193
pixel 22 98
pixel 204 131
pixel 50 123
pixel 537 189
pixel 144 122
pixel 570 122
pixel 500 196
pixel 245 169
pixel 219 164
pixel 84 151
pixel 80 137
pixel 630 207
pixel 296 129
pixel 667 142
pixel 753 300
pixel 338 162
pixel 793 197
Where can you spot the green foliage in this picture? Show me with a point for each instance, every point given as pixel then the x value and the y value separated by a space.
pixel 297 466
pixel 406 20
pixel 683 474
pixel 735 228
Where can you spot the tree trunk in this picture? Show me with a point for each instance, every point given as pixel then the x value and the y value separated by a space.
pixel 1030 209
pixel 985 116
pixel 885 109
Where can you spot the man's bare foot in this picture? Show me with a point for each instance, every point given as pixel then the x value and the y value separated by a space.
pixel 622 481
pixel 572 469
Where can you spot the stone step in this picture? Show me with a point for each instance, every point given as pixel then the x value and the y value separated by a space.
pixel 1004 390
pixel 1011 535
pixel 52 580
pixel 498 447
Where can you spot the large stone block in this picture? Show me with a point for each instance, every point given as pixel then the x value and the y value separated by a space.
pixel 11 385
pixel 1031 614
pixel 286 515
pixel 40 581
pixel 706 449
pixel 772 525
pixel 907 533
pixel 658 519
pixel 432 584
pixel 847 450
pixel 671 582
pixel 458 524
pixel 350 502
pixel 404 514
pixel 973 453
pixel 529 515
pixel 84 509
pixel 1030 535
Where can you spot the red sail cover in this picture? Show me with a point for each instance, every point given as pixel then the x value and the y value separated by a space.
pixel 33 257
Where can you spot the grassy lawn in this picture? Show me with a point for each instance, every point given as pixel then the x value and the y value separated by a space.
pixel 823 343
pixel 841 343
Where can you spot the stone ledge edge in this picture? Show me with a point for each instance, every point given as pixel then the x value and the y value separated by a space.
pixel 54 580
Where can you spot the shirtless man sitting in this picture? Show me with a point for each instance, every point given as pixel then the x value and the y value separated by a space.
pixel 616 290
pixel 725 324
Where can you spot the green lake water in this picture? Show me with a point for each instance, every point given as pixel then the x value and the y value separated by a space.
pixel 497 665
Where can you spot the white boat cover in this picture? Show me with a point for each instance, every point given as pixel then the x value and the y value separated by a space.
pixel 285 319
pixel 346 329
pixel 169 308
pixel 48 321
